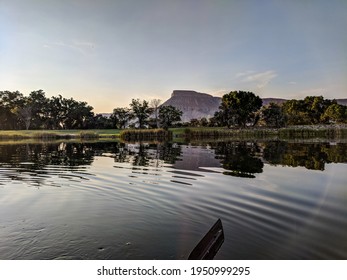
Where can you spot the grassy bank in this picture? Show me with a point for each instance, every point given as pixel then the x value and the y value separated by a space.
pixel 58 134
pixel 182 134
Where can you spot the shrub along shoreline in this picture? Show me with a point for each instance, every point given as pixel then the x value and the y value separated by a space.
pixel 290 132
pixel 179 134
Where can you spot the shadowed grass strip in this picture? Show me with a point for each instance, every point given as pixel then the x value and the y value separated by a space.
pixel 215 133
pixel 88 135
pixel 145 135
pixel 299 132
pixel 14 136
pixel 305 132
pixel 47 135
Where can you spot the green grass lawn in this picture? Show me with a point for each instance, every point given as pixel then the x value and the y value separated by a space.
pixel 20 134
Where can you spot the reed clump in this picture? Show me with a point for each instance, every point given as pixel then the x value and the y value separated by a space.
pixel 216 133
pixel 145 135
pixel 317 131
pixel 294 132
pixel 88 135
pixel 45 135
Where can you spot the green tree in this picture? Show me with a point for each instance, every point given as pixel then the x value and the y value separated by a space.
pixel 100 122
pixel 29 109
pixel 273 115
pixel 54 112
pixel 65 113
pixel 79 113
pixel 120 117
pixel 315 107
pixel 155 107
pixel 335 113
pixel 10 103
pixel 295 112
pixel 238 108
pixel 168 115
pixel 38 102
pixel 307 111
pixel 204 122
pixel 25 112
pixel 194 123
pixel 141 111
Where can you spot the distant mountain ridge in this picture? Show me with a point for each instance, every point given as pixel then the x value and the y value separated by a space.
pixel 342 101
pixel 197 105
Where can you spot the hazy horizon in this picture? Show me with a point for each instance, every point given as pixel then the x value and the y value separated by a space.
pixel 108 52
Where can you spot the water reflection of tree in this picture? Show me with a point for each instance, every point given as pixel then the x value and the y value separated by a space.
pixel 153 155
pixel 239 157
pixel 170 153
pixel 40 155
pixel 310 155
pixel 140 156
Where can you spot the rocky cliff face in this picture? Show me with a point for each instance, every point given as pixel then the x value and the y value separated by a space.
pixel 194 105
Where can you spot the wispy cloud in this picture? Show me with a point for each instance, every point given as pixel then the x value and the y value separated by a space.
pixel 260 79
pixel 292 83
pixel 82 47
pixel 243 74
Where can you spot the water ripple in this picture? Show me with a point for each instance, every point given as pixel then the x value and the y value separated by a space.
pixel 93 211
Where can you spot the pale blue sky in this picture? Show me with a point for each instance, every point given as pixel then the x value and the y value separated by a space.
pixel 107 52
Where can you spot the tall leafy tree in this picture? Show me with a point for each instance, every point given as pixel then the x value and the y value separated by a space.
pixel 120 117
pixel 65 113
pixel 315 107
pixel 38 102
pixel 295 112
pixel 25 112
pixel 238 108
pixel 100 122
pixel 307 111
pixel 78 113
pixel 30 110
pixel 273 115
pixel 155 103
pixel 141 111
pixel 335 113
pixel 55 113
pixel 10 103
pixel 168 115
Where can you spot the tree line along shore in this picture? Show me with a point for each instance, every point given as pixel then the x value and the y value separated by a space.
pixel 240 114
pixel 182 134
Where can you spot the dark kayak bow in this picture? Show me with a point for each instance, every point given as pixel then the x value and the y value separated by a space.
pixel 209 245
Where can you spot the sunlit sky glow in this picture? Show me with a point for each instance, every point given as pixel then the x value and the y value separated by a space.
pixel 107 52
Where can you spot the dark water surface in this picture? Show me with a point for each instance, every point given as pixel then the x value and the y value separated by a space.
pixel 108 200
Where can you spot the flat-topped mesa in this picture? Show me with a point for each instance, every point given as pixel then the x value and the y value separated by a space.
pixel 194 105
pixel 188 93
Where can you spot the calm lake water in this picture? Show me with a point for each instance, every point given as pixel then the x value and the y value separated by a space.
pixel 109 200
